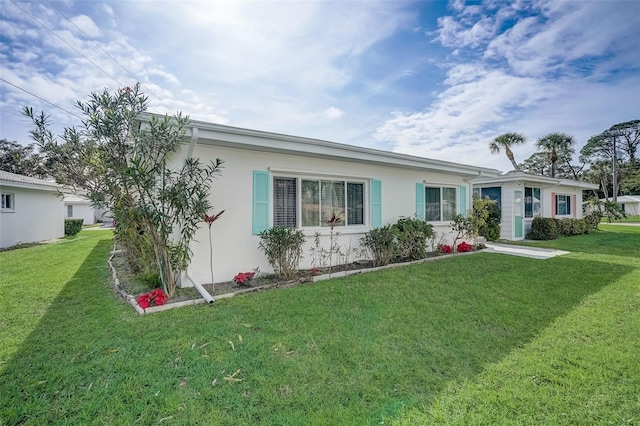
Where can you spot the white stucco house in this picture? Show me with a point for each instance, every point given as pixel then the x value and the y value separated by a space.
pixel 32 210
pixel 273 179
pixel 523 197
pixel 630 204
pixel 78 207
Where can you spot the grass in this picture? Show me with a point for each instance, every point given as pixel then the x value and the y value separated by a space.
pixel 628 219
pixel 480 339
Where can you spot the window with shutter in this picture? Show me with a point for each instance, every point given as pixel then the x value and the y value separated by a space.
pixel 284 202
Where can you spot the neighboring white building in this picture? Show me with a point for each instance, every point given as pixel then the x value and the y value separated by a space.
pixel 630 204
pixel 79 207
pixel 523 197
pixel 31 210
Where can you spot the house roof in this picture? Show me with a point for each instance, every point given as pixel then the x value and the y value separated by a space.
pixel 625 199
pixel 75 199
pixel 235 137
pixel 524 177
pixel 20 181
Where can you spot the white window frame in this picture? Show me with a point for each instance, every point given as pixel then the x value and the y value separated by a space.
pixel 343 226
pixel 11 196
pixel 441 187
pixel 569 198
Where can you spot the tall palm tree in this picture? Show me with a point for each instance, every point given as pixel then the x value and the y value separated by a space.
pixel 555 143
pixel 506 141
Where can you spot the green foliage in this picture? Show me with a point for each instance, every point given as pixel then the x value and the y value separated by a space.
pixel 22 160
pixel 411 236
pixel 491 229
pixel 558 147
pixel 283 248
pixel 543 228
pixel 72 226
pixel 504 142
pixel 125 168
pixel 380 244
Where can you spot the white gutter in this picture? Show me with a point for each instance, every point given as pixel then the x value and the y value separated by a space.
pixel 203 291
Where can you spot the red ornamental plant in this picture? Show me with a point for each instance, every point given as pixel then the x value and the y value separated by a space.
pixel 153 298
pixel 445 248
pixel 314 271
pixel 464 247
pixel 244 278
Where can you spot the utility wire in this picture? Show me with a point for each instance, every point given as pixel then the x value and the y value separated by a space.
pixel 62 40
pixel 42 99
pixel 105 52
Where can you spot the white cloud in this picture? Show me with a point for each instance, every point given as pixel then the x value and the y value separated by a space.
pixel 333 112
pixel 82 24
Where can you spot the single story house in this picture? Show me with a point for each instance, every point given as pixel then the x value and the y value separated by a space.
pixel 273 179
pixel 32 210
pixel 630 204
pixel 78 207
pixel 522 197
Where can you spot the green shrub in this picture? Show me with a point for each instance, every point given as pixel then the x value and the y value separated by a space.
pixel 491 230
pixel 543 228
pixel 593 219
pixel 72 226
pixel 411 237
pixel 379 244
pixel 283 248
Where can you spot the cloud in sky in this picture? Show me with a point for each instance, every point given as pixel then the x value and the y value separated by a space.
pixel 425 78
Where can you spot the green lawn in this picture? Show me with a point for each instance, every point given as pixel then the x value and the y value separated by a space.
pixel 480 339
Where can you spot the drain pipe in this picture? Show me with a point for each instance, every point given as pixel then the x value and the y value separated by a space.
pixel 203 291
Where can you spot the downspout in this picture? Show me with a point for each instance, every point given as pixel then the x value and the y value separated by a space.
pixel 203 291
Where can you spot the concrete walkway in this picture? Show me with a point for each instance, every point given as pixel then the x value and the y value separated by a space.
pixel 524 251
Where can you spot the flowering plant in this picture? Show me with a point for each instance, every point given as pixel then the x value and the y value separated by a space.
pixel 314 271
pixel 464 247
pixel 244 278
pixel 445 248
pixel 153 298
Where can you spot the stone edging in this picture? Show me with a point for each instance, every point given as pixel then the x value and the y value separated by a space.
pixel 132 300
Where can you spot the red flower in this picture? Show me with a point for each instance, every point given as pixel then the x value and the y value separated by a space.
pixel 244 278
pixel 464 247
pixel 314 271
pixel 444 248
pixel 153 298
pixel 210 219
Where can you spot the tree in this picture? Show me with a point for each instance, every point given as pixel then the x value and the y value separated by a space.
pixel 124 167
pixel 505 142
pixel 21 160
pixel 553 144
pixel 600 147
pixel 539 163
pixel 600 173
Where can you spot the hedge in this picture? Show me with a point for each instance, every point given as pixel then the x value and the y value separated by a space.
pixel 72 226
pixel 547 228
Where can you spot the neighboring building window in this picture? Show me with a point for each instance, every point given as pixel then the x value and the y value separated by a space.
pixel 622 208
pixel 440 203
pixel 318 201
pixel 70 211
pixel 494 193
pixel 8 201
pixel 563 205
pixel 532 202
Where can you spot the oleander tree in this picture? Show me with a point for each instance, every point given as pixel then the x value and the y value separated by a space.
pixel 157 204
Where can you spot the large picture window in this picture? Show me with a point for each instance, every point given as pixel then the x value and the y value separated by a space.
pixel 440 203
pixel 532 202
pixel 563 205
pixel 317 201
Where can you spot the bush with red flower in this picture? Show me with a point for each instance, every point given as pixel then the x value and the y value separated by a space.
pixel 445 249
pixel 153 298
pixel 464 247
pixel 243 279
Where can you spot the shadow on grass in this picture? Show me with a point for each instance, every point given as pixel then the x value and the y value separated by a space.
pixel 347 351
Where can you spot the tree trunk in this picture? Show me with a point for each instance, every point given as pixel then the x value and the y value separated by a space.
pixel 512 159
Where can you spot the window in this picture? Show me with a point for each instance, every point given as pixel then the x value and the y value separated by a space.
pixel 440 203
pixel 317 201
pixel 532 202
pixel 494 193
pixel 70 210
pixel 563 205
pixel 8 201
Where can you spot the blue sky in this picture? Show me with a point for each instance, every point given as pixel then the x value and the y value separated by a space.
pixel 427 78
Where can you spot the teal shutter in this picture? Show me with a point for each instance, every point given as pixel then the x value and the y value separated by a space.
pixel 462 205
pixel 420 200
pixel 376 203
pixel 261 182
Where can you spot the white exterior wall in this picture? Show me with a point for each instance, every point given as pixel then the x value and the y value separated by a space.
pixel 81 211
pixel 235 249
pixel 38 216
